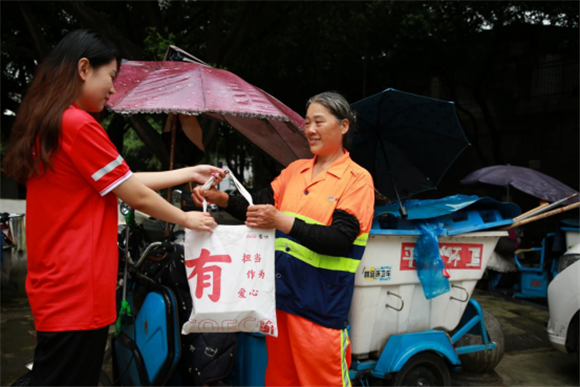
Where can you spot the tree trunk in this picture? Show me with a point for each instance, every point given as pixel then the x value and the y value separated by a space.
pixel 491 126
pixel 214 40
pixel 475 138
pixel 237 35
pixel 150 138
pixel 42 48
pixel 94 20
pixel 116 131
pixel 153 13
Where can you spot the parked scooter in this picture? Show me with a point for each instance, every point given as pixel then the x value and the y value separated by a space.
pixel 154 301
pixel 9 224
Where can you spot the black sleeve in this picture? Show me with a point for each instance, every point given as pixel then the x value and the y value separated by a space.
pixel 335 239
pixel 238 205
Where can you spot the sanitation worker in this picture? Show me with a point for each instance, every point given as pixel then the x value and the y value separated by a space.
pixel 73 175
pixel 322 211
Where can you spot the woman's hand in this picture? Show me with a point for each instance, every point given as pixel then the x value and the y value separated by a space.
pixel 199 221
pixel 267 216
pixel 164 179
pixel 214 196
pixel 202 173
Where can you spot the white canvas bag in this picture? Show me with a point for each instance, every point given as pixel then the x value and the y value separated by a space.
pixel 231 278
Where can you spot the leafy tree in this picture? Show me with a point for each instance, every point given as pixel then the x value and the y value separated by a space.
pixel 296 49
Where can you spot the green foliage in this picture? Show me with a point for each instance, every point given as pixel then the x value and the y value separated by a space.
pixel 293 50
pixel 138 156
pixel 157 44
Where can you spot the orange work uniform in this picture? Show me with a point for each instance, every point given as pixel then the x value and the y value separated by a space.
pixel 314 291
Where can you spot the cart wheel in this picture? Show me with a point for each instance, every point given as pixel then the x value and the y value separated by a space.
pixel 424 369
pixel 483 361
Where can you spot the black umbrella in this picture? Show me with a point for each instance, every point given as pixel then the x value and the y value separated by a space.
pixel 406 141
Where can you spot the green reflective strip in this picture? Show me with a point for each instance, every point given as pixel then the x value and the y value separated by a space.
pixel 304 218
pixel 361 240
pixel 344 365
pixel 320 261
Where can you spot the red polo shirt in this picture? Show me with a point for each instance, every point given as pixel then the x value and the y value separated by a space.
pixel 71 229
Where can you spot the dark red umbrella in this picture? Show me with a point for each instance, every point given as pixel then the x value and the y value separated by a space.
pixel 194 89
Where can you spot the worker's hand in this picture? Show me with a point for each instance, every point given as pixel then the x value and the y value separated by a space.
pixel 202 173
pixel 267 216
pixel 214 196
pixel 199 221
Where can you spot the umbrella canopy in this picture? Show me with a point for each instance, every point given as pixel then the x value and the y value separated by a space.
pixel 193 89
pixel 406 141
pixel 526 180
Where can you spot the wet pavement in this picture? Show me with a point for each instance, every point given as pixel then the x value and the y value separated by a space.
pixel 17 344
pixel 529 359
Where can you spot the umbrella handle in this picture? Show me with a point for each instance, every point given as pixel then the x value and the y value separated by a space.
pixel 402 210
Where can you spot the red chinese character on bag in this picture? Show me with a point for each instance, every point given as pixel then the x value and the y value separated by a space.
pixel 251 274
pixel 261 274
pixel 242 293
pixel 203 273
pixel 254 293
pixel 247 258
pixel 257 258
pixel 267 327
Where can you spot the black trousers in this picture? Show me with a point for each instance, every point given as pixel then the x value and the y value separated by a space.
pixel 72 358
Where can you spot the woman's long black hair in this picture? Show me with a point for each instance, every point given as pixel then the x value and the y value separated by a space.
pixel 37 128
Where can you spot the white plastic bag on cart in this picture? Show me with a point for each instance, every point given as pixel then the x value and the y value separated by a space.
pixel 231 278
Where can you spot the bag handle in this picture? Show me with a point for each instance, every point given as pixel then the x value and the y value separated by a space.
pixel 241 189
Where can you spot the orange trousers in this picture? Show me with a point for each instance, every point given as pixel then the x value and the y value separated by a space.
pixel 307 354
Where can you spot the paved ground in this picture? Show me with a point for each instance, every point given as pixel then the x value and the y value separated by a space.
pixel 529 359
pixel 16 343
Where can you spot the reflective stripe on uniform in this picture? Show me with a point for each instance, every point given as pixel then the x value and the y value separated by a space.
pixel 107 168
pixel 344 364
pixel 362 239
pixel 320 261
pixel 303 218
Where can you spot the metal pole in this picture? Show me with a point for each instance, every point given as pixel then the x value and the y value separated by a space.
pixel 171 121
pixel 126 260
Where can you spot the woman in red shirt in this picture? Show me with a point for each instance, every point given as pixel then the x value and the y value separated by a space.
pixel 74 174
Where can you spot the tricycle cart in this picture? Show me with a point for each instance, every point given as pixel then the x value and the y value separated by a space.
pixel 396 334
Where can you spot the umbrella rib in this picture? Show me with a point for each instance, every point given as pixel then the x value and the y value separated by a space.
pixel 425 103
pixel 225 120
pixel 424 130
pixel 402 209
pixel 363 119
pixel 269 125
pixel 451 163
pixel 202 83
pixel 121 100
